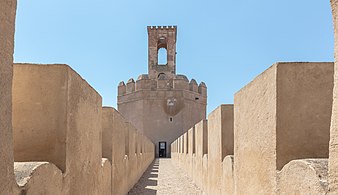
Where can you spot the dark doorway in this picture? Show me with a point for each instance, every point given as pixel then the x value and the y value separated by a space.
pixel 162 146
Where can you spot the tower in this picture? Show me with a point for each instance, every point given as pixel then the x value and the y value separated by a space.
pixel 161 38
pixel 162 104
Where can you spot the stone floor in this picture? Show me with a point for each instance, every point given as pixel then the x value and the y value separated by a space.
pixel 163 178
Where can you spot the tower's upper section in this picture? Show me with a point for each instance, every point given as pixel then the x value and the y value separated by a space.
pixel 161 37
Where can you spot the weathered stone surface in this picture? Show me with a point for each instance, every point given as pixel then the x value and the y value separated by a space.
pixel 333 160
pixel 201 144
pixel 7 28
pixel 282 115
pixel 306 176
pixel 106 175
pixel 220 144
pixel 56 108
pixel 38 178
pixel 228 183
pixel 130 152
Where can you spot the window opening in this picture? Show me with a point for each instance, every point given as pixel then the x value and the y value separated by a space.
pixel 162 56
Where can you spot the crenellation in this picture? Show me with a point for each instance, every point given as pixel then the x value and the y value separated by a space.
pixel 130 88
pixel 178 83
pixel 202 89
pixel 193 86
pixel 122 83
pixel 121 89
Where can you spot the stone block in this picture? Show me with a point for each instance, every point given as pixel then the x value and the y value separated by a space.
pixel 105 181
pixel 201 149
pixel 282 115
pixel 114 125
pixel 220 144
pixel 305 176
pixel 191 151
pixel 228 183
pixel 57 118
pixel 38 178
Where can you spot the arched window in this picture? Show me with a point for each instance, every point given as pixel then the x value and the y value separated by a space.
pixel 162 56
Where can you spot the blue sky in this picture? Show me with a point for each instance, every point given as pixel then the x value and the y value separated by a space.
pixel 225 43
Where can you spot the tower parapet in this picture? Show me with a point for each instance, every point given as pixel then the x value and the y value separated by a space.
pixel 121 88
pixel 193 86
pixel 130 86
pixel 178 83
pixel 202 89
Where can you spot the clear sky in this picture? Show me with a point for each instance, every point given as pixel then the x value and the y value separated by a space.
pixel 225 43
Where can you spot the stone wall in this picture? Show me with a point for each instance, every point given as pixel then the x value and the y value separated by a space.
pixel 126 169
pixel 276 134
pixel 333 161
pixel 209 141
pixel 65 142
pixel 7 26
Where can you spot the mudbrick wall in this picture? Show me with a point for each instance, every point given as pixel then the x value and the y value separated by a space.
pixel 273 140
pixel 72 144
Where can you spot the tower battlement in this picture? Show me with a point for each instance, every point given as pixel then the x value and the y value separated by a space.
pixel 161 27
pixel 179 82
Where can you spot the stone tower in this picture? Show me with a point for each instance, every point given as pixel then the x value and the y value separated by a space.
pixel 161 38
pixel 162 104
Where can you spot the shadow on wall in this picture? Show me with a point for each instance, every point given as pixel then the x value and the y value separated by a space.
pixel 148 181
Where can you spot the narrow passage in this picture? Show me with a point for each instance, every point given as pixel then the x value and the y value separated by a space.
pixel 163 178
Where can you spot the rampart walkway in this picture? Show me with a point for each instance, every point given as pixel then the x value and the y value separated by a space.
pixel 163 178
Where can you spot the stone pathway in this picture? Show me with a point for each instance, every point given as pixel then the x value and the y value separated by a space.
pixel 163 178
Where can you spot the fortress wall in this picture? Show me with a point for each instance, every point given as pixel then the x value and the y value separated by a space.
pixel 228 183
pixel 304 105
pixel 220 144
pixel 114 124
pixel 58 118
pixel 255 137
pixel 333 160
pixel 282 115
pixel 181 140
pixel 132 160
pixel 7 28
pixel 105 181
pixel 40 113
pixel 202 148
pixel 305 176
pixel 191 152
pixel 56 108
pixel 126 169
